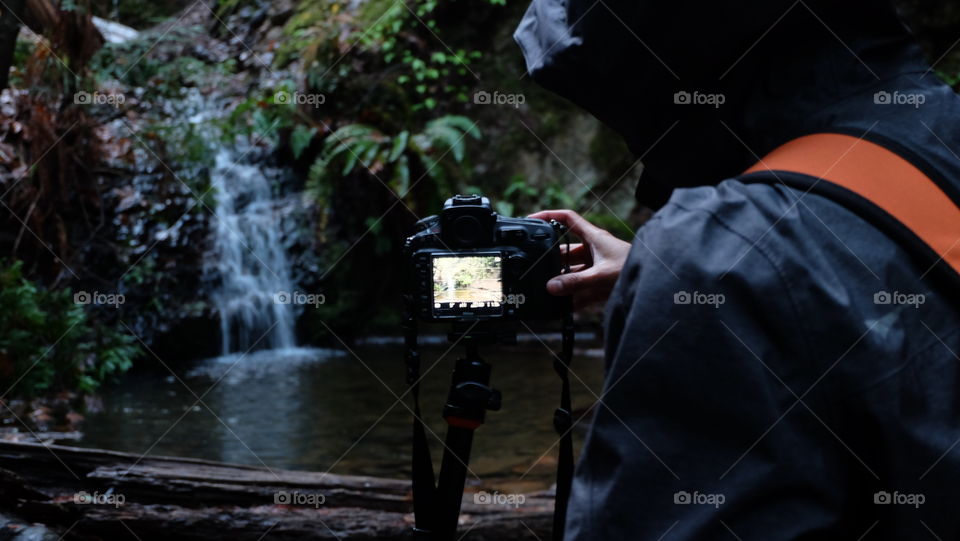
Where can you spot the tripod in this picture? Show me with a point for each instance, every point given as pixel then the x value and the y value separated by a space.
pixel 437 507
pixel 469 398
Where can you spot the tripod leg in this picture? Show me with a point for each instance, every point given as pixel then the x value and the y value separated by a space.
pixel 453 476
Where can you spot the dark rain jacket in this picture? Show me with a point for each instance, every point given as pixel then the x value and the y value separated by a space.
pixel 778 367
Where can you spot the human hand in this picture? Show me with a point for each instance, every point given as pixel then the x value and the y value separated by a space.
pixel 595 264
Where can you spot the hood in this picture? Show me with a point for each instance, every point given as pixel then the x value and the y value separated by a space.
pixel 700 90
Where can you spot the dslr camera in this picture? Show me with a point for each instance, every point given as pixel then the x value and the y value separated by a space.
pixel 469 263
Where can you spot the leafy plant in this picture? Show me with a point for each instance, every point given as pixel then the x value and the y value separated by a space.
pixel 434 75
pixel 47 342
pixel 520 197
pixel 137 63
pixel 264 117
pixel 394 157
pixel 402 41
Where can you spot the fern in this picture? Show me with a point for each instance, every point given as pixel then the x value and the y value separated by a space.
pixel 392 157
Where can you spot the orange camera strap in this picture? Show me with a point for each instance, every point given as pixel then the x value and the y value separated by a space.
pixel 883 180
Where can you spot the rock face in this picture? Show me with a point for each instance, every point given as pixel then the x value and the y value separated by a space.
pixel 103 494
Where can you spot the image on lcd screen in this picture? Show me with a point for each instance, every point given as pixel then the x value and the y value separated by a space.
pixel 467 284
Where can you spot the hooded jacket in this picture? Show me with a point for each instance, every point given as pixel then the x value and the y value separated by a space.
pixel 759 385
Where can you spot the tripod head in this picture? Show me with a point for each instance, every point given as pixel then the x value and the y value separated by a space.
pixel 470 391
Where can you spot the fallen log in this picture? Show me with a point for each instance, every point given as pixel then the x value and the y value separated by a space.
pixel 100 494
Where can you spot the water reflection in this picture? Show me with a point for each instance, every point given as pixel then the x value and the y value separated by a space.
pixel 323 409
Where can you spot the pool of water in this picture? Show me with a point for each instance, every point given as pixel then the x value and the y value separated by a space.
pixel 330 410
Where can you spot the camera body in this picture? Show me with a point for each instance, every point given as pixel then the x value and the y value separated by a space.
pixel 469 264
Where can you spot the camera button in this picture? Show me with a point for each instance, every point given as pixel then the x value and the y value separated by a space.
pixel 513 233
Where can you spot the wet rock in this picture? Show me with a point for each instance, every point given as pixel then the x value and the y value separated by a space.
pixel 74 420
pixel 12 529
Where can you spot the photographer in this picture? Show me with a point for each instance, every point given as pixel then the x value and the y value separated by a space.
pixel 781 358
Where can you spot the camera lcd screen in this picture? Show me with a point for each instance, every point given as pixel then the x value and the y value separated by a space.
pixel 467 285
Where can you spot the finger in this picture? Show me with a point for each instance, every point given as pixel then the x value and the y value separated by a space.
pixel 577 224
pixel 570 283
pixel 578 254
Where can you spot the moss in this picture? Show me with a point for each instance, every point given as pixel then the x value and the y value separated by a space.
pixel 372 11
pixel 225 8
pixel 305 31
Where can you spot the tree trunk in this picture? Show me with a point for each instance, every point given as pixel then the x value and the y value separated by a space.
pixel 160 498
pixel 9 29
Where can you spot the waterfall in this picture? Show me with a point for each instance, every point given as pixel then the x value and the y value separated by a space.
pixel 253 298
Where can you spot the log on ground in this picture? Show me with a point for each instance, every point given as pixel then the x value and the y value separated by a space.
pixel 100 494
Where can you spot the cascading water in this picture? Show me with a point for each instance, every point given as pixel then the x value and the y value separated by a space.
pixel 249 257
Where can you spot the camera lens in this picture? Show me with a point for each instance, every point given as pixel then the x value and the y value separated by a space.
pixel 467 230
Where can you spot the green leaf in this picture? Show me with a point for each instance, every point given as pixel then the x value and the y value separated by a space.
pixel 351 163
pixel 399 145
pixel 462 123
pixel 370 150
pixel 351 131
pixel 300 139
pixel 401 176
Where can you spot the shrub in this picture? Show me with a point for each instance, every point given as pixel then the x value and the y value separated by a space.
pixel 48 344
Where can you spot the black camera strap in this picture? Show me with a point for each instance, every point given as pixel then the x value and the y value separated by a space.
pixel 424 485
pixel 563 424
pixel 563 417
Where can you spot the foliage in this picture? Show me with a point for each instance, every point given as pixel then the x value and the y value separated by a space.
pixel 265 116
pixel 520 197
pixel 401 43
pixel 394 157
pixel 21 54
pixel 430 70
pixel 48 342
pixel 135 63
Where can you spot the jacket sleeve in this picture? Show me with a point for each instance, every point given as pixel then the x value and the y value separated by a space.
pixel 700 430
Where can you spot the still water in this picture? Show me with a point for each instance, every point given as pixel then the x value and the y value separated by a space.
pixel 329 410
